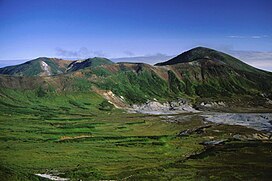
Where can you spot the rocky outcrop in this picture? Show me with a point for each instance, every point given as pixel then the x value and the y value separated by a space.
pixel 213 104
pixel 117 101
pixel 198 130
pixel 155 107
pixel 256 136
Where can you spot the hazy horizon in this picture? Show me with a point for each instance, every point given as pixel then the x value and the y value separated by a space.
pixel 259 60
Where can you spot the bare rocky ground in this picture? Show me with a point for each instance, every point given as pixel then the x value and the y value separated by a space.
pixel 257 121
pixel 157 108
pixel 260 122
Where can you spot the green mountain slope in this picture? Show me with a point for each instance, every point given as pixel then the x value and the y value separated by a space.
pixel 90 62
pixel 199 54
pixel 196 75
pixel 42 66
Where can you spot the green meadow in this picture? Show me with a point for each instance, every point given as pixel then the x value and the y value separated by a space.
pixel 80 137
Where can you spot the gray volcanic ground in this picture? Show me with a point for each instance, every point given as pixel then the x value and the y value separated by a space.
pixel 258 121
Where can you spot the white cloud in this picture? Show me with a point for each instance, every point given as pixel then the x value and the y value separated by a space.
pixel 248 37
pixel 256 37
pixel 262 60
pixel 235 36
pixel 150 59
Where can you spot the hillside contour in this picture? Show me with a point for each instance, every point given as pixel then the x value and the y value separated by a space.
pixel 201 76
pixel 42 66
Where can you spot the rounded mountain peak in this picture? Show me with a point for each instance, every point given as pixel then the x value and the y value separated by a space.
pixel 193 55
pixel 203 53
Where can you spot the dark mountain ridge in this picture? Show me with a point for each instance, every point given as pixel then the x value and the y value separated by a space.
pixel 206 54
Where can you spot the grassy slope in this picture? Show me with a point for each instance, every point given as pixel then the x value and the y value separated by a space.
pixel 33 129
pixel 138 83
pixel 90 62
pixel 69 133
pixel 33 67
pixel 207 80
pixel 27 69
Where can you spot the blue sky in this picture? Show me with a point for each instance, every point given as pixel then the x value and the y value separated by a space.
pixel 120 28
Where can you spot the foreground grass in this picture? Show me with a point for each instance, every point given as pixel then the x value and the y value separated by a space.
pixel 70 134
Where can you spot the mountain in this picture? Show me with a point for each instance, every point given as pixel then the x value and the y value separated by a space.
pixel 90 62
pixel 213 72
pixel 200 74
pixel 202 54
pixel 44 66
pixel 41 66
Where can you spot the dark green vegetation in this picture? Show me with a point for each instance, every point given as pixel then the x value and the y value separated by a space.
pixel 65 124
pixel 205 54
pixel 248 154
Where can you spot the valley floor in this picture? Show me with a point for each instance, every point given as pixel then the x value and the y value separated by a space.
pixel 81 142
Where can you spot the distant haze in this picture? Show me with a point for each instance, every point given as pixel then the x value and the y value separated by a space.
pixel 149 59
